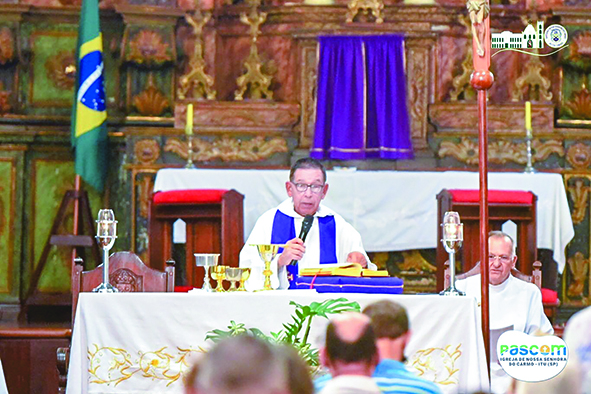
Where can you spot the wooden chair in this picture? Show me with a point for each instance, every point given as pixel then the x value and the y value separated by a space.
pixel 128 274
pixel 550 306
pixel 517 206
pixel 215 224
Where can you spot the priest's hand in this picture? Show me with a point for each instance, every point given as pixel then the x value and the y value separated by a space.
pixel 293 250
pixel 357 257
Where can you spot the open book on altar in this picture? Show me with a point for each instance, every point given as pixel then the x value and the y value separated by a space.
pixel 347 269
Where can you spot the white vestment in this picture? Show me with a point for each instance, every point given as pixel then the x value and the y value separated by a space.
pixel 577 336
pixel 513 305
pixel 347 240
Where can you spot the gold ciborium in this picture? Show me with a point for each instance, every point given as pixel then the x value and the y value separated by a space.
pixel 243 278
pixel 233 275
pixel 268 253
pixel 218 273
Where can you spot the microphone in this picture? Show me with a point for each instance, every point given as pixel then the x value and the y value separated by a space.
pixel 306 226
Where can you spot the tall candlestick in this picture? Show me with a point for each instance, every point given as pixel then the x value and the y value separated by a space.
pixel 528 116
pixel 189 123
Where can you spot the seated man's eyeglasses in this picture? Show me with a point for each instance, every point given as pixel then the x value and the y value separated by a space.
pixel 302 187
pixel 502 258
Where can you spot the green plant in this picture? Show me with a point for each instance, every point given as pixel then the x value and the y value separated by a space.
pixel 301 320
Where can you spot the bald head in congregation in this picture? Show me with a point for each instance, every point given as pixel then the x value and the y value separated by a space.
pixel 351 355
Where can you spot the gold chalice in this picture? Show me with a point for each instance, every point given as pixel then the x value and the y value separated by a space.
pixel 243 278
pixel 219 274
pixel 268 253
pixel 233 275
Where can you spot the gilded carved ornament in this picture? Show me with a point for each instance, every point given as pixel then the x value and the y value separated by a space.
pixel 500 151
pixel 146 151
pixel 197 79
pixel 376 8
pixel 228 149
pixel 579 267
pixel 579 156
pixel 579 107
pixel 581 45
pixel 61 69
pixel 579 52
pixel 7 47
pixel 148 47
pixel 254 81
pixel 151 101
pixel 531 79
pixel 579 194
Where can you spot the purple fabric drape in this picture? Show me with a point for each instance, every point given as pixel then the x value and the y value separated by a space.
pixel 361 110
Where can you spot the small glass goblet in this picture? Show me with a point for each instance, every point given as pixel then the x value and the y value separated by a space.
pixel 243 278
pixel 206 260
pixel 233 275
pixel 219 273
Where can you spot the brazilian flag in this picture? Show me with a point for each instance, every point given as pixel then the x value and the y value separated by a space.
pixel 89 115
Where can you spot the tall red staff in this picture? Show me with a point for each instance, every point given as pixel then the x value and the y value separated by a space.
pixel 481 80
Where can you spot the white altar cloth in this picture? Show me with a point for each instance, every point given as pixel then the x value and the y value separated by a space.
pixel 133 343
pixel 3 388
pixel 392 210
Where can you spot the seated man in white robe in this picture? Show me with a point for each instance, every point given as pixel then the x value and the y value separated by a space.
pixel 513 303
pixel 331 240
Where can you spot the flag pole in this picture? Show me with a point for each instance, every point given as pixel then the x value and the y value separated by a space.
pixel 481 80
pixel 76 228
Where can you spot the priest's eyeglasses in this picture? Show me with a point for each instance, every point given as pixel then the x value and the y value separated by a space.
pixel 302 187
pixel 503 259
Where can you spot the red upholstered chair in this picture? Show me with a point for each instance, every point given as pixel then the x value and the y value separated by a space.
pixel 215 224
pixel 517 206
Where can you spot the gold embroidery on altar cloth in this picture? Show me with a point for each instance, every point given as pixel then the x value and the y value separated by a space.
pixel 430 362
pixel 111 365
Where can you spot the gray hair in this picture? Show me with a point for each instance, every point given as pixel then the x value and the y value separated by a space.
pixel 500 235
pixel 242 364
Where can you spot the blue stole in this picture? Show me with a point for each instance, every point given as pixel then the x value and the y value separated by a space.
pixel 284 230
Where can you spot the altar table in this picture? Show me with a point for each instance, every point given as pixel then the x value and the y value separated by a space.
pixel 3 388
pixel 143 342
pixel 392 210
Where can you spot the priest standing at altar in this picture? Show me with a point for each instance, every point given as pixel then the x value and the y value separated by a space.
pixel 330 240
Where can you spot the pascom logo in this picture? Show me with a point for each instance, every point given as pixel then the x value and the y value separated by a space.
pixel 531 358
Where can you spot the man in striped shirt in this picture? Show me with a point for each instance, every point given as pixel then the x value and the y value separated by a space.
pixel 390 324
